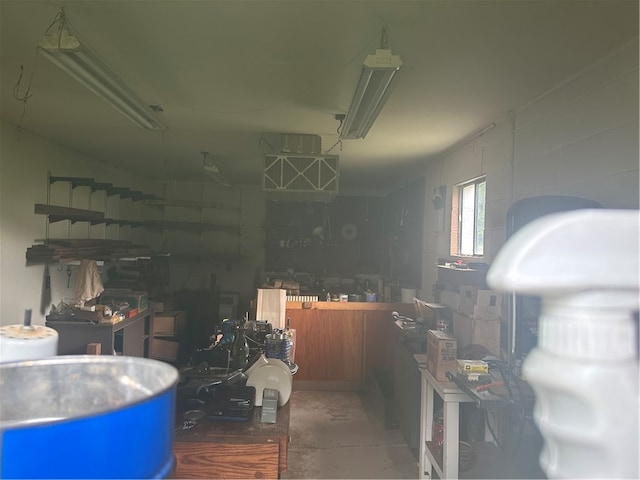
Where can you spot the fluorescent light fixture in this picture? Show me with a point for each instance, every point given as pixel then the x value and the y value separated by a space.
pixel 371 93
pixel 65 50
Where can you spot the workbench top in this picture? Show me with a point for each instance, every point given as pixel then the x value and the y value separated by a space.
pixel 348 306
pixel 228 449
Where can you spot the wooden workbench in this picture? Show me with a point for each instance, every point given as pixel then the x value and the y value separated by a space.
pixel 227 449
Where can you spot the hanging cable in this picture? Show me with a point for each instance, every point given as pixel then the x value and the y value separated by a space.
pixel 340 117
pixel 16 88
pixel 63 26
pixel 384 44
pixel 61 21
pixel 513 399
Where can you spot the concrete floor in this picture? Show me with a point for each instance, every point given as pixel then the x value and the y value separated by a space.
pixel 342 435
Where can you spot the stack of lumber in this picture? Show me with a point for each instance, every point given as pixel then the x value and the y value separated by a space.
pixel 57 250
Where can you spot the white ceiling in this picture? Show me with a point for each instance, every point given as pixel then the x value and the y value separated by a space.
pixel 228 72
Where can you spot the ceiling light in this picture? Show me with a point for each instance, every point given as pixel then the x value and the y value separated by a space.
pixel 66 51
pixel 212 169
pixel 371 93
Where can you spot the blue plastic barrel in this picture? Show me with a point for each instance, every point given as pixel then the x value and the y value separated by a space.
pixel 82 416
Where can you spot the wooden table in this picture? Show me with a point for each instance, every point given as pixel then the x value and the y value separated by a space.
pixel 227 449
pixel 444 460
pixel 128 337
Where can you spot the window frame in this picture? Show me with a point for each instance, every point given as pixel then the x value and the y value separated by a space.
pixel 460 219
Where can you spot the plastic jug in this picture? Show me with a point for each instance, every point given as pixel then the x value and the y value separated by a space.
pixel 584 371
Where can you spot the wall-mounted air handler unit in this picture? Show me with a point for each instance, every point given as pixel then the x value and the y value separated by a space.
pixel 301 177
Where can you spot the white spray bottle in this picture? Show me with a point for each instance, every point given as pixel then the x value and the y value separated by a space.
pixel 584 371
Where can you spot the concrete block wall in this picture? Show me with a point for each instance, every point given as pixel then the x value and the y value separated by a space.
pixel 25 160
pixel 580 138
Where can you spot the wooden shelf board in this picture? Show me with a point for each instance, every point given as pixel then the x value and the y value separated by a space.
pixel 57 213
pixel 188 204
pixel 206 256
pixel 124 223
pixel 192 226
pixel 57 250
pixel 124 192
pixel 75 181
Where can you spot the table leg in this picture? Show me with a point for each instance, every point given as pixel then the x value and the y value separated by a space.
pixel 488 437
pixel 426 428
pixel 451 439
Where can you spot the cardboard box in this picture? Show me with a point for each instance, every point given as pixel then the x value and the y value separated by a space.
pixel 450 299
pixel 94 349
pixel 487 312
pixel 472 296
pixel 441 354
pixel 468 296
pixel 164 349
pixel 488 298
pixel 169 323
pixel 479 331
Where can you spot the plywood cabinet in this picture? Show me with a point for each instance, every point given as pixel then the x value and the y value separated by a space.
pixel 166 332
pixel 329 345
pixel 340 344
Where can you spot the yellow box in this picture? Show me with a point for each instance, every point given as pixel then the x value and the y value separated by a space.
pixel 472 366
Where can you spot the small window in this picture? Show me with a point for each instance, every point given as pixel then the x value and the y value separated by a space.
pixel 467 218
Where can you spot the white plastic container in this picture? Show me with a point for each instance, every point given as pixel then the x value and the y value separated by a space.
pixel 584 371
pixel 407 295
pixel 27 342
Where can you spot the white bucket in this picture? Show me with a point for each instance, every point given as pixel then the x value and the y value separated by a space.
pixel 407 294
pixel 18 342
